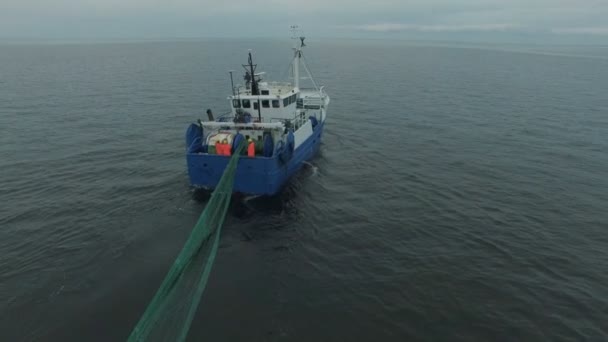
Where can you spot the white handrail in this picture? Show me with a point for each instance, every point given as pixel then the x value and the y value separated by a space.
pixel 270 125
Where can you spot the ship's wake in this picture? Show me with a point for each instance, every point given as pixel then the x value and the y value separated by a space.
pixel 315 169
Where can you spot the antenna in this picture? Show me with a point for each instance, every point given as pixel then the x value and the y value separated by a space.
pixel 294 31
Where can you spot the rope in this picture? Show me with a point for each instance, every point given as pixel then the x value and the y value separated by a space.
pixel 176 290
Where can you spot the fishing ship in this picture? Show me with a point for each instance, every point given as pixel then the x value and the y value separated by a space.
pixel 280 123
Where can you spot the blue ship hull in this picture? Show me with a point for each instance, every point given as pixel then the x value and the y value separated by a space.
pixel 254 176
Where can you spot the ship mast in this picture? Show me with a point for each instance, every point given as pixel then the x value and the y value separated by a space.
pixel 254 82
pixel 297 55
pixel 250 76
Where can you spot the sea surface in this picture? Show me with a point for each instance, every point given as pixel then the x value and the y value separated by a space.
pixel 460 193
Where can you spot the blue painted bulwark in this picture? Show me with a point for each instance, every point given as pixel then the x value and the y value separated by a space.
pixel 256 176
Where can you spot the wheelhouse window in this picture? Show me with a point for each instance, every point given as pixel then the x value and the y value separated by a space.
pixel 246 104
pixel 293 98
pixel 236 103
pixel 265 92
pixel 265 104
pixel 286 102
pixel 276 104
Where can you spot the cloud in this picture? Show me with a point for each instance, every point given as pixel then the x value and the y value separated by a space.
pixel 569 19
pixel 395 27
pixel 582 30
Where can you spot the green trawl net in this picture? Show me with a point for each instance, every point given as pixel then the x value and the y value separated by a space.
pixel 170 313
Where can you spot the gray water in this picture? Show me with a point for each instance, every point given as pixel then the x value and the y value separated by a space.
pixel 461 193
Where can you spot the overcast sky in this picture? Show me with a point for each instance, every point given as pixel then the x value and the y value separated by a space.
pixel 528 20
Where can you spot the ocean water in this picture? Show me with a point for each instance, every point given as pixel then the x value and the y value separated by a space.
pixel 461 193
